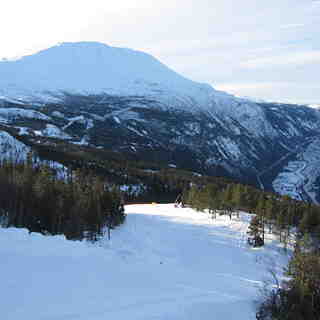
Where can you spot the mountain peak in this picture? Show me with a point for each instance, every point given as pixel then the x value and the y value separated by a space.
pixel 97 68
pixel 82 44
pixel 93 67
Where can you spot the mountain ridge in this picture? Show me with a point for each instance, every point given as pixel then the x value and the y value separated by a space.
pixel 95 68
pixel 151 112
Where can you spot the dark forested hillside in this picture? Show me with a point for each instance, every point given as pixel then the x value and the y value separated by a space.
pixel 78 205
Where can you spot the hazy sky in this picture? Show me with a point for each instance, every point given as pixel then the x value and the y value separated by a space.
pixel 264 49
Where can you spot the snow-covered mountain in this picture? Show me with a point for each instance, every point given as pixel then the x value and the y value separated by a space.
pixel 124 100
pixel 316 106
pixel 96 68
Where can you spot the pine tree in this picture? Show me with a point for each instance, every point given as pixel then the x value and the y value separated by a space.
pixel 304 269
pixel 255 232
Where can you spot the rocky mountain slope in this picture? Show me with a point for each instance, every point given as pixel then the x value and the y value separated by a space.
pixel 128 102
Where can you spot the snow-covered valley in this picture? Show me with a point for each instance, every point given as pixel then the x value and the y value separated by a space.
pixel 163 263
pixel 298 178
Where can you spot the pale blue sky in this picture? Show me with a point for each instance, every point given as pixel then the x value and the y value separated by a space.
pixel 263 49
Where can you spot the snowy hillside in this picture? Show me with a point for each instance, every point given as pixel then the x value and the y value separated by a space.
pixel 299 178
pixel 102 68
pixel 15 113
pixel 11 148
pixel 96 68
pixel 164 263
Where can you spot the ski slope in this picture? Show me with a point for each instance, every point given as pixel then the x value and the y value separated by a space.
pixel 163 263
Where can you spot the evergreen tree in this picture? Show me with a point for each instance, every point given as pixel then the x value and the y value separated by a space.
pixel 35 199
pixel 255 231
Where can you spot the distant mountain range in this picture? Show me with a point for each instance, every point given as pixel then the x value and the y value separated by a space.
pixel 117 99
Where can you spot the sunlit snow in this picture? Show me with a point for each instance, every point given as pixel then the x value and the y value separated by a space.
pixel 163 263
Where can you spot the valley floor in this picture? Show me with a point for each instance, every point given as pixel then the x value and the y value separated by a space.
pixel 163 263
pixel 298 178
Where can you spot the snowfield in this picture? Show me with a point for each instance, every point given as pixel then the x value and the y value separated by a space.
pixel 163 263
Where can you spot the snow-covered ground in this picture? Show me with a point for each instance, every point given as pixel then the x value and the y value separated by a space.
pixel 163 263
pixel 11 148
pixel 11 114
pixel 53 132
pixel 298 177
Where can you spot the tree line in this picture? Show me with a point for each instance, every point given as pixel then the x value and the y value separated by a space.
pixel 299 297
pixel 80 206
pixel 162 183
